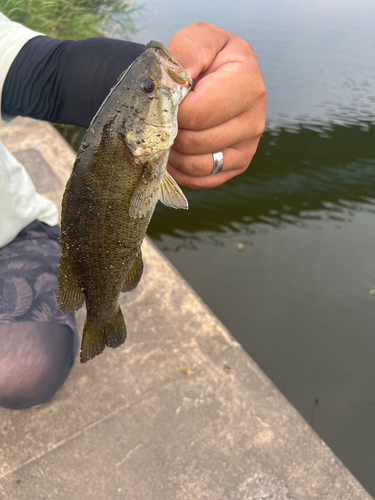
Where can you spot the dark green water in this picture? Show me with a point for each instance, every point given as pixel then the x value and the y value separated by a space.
pixel 295 292
pixel 285 254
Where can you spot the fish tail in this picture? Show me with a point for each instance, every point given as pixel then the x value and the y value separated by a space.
pixel 93 341
pixel 96 335
pixel 115 329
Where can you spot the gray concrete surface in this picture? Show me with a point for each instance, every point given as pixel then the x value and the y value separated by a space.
pixel 180 412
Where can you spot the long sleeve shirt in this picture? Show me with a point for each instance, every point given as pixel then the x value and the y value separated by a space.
pixel 20 204
pixel 54 80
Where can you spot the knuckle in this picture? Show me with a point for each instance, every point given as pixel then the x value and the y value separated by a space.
pixel 253 149
pixel 247 48
pixel 244 166
pixel 261 89
pixel 260 128
pixel 251 154
pixel 247 155
pixel 254 71
pixel 202 25
pixel 248 54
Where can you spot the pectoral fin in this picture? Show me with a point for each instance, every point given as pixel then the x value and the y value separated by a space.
pixel 134 275
pixel 156 184
pixel 145 197
pixel 171 194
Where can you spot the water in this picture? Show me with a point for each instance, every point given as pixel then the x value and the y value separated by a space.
pixel 285 254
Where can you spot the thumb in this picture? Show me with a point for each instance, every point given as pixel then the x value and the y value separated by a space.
pixel 196 46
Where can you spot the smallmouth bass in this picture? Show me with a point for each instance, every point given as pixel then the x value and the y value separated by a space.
pixel 118 177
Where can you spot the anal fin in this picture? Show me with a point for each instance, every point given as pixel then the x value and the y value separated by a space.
pixel 134 275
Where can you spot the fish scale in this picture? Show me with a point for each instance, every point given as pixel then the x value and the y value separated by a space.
pixel 118 177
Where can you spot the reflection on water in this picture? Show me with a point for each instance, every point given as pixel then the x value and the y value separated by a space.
pixel 285 254
pixel 317 57
pixel 308 174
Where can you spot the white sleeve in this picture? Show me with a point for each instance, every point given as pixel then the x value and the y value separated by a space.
pixel 13 37
pixel 20 204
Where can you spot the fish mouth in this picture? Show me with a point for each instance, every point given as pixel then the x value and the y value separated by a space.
pixel 173 72
pixel 160 47
pixel 179 76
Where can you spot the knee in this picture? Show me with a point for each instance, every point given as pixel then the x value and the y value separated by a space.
pixel 33 371
pixel 32 382
pixel 24 387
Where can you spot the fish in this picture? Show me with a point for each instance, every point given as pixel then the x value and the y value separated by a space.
pixel 117 179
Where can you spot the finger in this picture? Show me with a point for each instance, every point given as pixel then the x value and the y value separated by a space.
pixel 243 128
pixel 217 98
pixel 203 165
pixel 230 78
pixel 207 182
pixel 199 166
pixel 196 46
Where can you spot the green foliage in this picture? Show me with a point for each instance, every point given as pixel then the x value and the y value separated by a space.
pixel 74 19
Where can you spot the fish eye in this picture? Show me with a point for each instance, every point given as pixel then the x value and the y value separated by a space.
pixel 149 85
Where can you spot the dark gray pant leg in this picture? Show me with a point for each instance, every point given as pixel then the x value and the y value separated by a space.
pixel 38 343
pixel 35 360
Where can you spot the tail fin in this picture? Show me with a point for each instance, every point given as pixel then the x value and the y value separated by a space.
pixel 97 336
pixel 115 330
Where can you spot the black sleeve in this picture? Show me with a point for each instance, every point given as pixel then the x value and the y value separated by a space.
pixel 65 81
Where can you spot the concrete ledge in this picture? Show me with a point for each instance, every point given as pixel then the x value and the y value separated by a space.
pixel 180 412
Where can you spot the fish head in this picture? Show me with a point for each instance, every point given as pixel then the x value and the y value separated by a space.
pixel 157 84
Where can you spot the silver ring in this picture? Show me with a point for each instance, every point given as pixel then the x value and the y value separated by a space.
pixel 218 163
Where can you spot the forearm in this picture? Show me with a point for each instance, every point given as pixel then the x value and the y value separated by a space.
pixel 65 81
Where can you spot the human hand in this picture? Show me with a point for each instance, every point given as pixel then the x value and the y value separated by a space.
pixel 225 111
